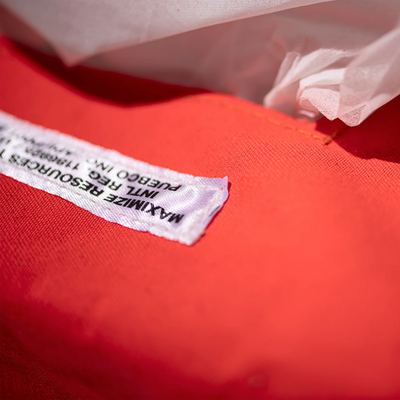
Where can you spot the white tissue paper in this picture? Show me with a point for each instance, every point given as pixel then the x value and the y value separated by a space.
pixel 302 57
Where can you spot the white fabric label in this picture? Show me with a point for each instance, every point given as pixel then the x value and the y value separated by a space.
pixel 106 183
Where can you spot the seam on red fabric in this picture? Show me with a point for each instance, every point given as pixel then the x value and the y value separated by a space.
pixel 338 131
pixel 324 140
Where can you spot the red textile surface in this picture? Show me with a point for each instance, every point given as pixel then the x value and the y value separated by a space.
pixel 293 292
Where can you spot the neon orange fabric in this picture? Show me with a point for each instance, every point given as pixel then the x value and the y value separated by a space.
pixel 293 292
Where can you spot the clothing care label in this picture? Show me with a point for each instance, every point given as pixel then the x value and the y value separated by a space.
pixel 112 186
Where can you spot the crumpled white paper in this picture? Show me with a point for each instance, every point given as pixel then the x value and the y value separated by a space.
pixel 303 57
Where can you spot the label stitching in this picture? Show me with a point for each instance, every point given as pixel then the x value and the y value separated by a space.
pixel 189 231
pixel 213 201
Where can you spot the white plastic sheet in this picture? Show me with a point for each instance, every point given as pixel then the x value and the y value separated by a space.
pixel 303 57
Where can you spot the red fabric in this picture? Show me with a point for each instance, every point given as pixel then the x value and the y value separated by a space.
pixel 292 293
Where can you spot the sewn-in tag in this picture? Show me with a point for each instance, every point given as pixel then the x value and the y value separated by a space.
pixel 106 183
